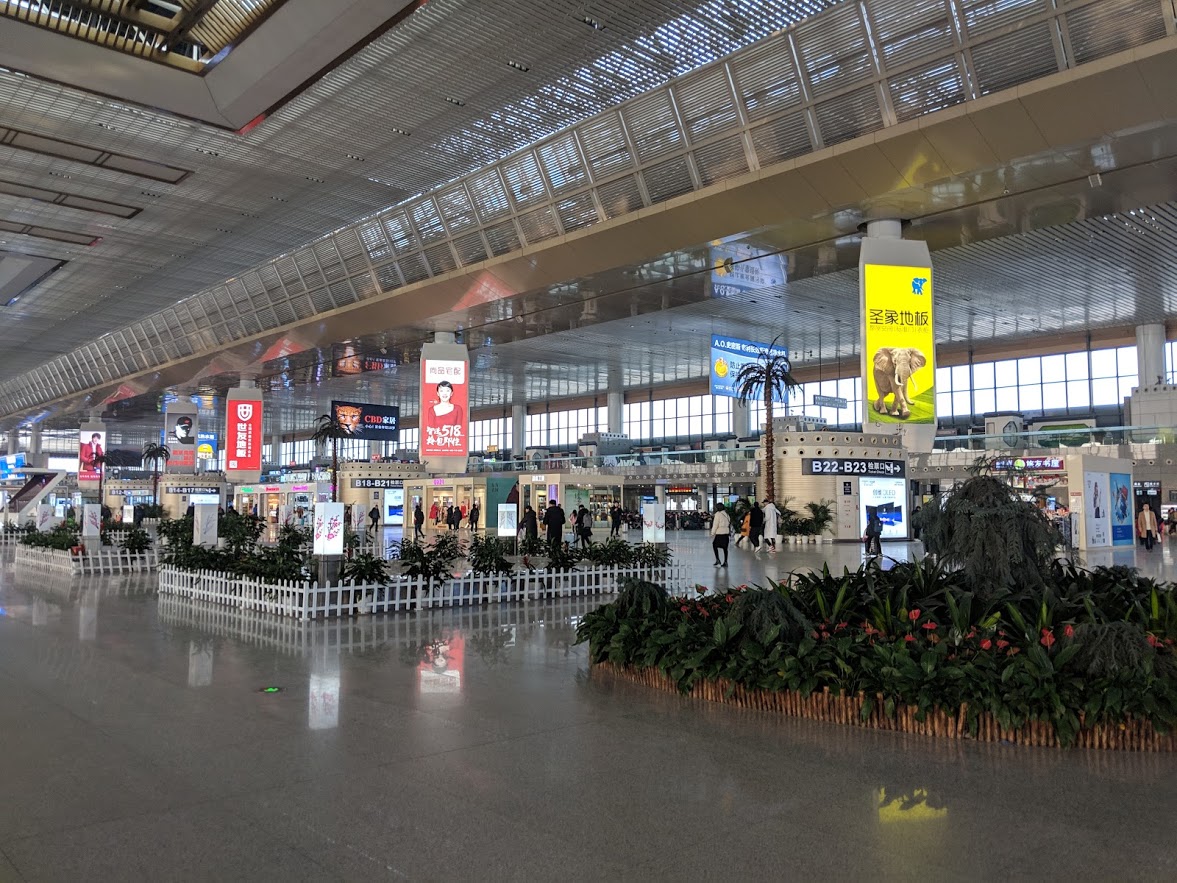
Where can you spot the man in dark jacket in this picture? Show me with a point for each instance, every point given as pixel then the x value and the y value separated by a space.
pixel 615 519
pixel 418 522
pixel 755 526
pixel 530 523
pixel 554 520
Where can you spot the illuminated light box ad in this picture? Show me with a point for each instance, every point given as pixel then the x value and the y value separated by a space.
pixel 444 407
pixel 885 497
pixel 899 345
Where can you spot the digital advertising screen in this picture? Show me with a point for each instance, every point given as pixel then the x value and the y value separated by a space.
pixel 444 408
pixel 1123 512
pixel 394 506
pixel 206 447
pixel 729 355
pixel 91 450
pixel 885 497
pixel 899 346
pixel 181 430
pixel 371 422
pixel 243 432
pixel 1095 508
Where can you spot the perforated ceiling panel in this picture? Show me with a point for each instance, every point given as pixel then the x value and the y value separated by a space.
pixel 411 124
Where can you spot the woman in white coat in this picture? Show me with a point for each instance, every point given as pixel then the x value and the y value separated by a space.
pixel 772 520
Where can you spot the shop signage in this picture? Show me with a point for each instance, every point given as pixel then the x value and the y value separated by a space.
pixel 444 407
pixel 371 422
pixel 189 489
pixel 899 345
pixel 1031 464
pixel 243 433
pixel 830 402
pixel 300 488
pixel 847 488
pixel 539 479
pixel 439 482
pixel 377 483
pixel 853 466
pixel 729 355
pixel 1146 486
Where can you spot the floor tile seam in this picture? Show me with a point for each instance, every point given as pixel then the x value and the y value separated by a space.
pixel 13 864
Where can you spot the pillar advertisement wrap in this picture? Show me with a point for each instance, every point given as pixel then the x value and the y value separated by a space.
pixel 91 447
pixel 653 523
pixel 445 405
pixel 92 520
pixel 898 344
pixel 204 525
pixel 1095 509
pixel 243 435
pixel 329 529
pixel 1122 512
pixel 180 435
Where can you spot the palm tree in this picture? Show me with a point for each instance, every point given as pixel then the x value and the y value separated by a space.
pixel 328 428
pixel 155 453
pixel 769 377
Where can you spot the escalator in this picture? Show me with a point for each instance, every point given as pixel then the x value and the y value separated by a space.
pixel 23 503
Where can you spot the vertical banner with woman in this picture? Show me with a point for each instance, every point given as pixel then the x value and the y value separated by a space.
pixel 91 455
pixel 445 406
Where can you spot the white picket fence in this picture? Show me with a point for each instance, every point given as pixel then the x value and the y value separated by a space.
pixel 10 539
pixel 369 633
pixel 104 559
pixel 310 601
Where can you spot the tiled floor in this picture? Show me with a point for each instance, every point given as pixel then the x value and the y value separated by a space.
pixel 135 745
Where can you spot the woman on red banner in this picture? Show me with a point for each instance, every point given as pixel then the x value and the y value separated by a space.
pixel 89 452
pixel 444 413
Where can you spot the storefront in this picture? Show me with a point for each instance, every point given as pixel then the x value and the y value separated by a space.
pixel 437 495
pixel 279 503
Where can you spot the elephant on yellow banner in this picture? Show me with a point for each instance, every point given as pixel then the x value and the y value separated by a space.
pixel 893 369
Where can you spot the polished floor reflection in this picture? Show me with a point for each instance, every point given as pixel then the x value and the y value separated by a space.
pixel 146 738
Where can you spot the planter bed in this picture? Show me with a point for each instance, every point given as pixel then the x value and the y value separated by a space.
pixel 1131 735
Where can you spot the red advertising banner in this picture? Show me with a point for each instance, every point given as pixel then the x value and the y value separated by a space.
pixel 243 434
pixel 445 399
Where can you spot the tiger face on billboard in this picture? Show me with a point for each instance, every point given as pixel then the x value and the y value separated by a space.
pixel 349 417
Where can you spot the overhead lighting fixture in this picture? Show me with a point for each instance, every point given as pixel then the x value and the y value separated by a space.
pixel 456 101
pixel 401 132
pixel 519 67
pixel 593 23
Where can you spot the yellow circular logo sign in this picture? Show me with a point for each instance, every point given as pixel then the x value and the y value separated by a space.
pixel 721 368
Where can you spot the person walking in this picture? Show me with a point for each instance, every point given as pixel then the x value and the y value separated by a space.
pixel 374 518
pixel 418 522
pixel 584 527
pixel 615 521
pixel 474 513
pixel 530 523
pixel 745 529
pixel 755 526
pixel 1146 526
pixel 434 513
pixel 554 520
pixel 721 529
pixel 772 520
pixel 1172 521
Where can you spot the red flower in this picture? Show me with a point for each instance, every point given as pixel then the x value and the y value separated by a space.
pixel 1154 641
pixel 1047 638
pixel 685 609
pixel 986 644
pixel 909 638
pixel 972 633
pixel 841 625
pixel 1068 631
pixel 730 599
pixel 1002 644
pixel 813 634
pixel 930 626
pixel 913 615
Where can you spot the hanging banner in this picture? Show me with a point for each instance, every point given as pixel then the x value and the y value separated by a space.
pixel 653 523
pixel 180 435
pixel 204 524
pixel 243 435
pixel 91 450
pixel 91 520
pixel 899 349
pixel 445 402
pixel 738 267
pixel 329 525
pixel 729 355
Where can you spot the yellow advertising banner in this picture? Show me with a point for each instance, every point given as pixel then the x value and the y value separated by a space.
pixel 899 345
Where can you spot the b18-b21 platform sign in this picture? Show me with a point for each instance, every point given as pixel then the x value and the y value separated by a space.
pixel 243 435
